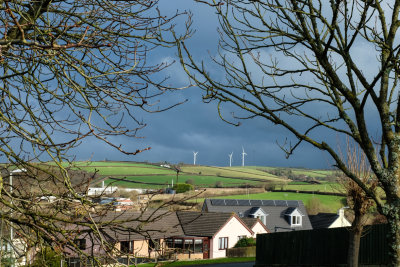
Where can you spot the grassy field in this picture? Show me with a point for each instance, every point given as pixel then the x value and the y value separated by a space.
pixel 150 176
pixel 230 172
pixel 153 176
pixel 201 181
pixel 298 171
pixel 323 187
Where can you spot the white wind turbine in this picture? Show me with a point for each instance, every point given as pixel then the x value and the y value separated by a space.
pixel 230 159
pixel 194 157
pixel 243 154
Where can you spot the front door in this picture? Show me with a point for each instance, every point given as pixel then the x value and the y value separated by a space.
pixel 206 248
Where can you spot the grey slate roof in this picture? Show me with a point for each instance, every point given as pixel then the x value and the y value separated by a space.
pixel 323 220
pixel 135 225
pixel 276 220
pixel 203 223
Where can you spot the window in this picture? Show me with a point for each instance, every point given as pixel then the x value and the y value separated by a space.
pixel 126 246
pixel 154 244
pixel 262 218
pixel 80 243
pixel 223 243
pixel 188 245
pixel 169 243
pixel 178 244
pixel 198 246
pixel 296 220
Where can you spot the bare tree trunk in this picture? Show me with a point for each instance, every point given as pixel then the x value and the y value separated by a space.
pixel 354 241
pixel 393 237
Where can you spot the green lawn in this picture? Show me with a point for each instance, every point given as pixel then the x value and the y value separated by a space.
pixel 198 262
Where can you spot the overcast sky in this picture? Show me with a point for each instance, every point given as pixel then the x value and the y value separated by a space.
pixel 195 126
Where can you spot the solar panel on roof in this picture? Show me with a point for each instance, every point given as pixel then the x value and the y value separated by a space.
pixel 268 203
pixel 280 203
pixel 292 203
pixel 244 202
pixel 231 202
pixel 217 202
pixel 256 202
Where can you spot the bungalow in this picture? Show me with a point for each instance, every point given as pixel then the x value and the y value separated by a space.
pixel 218 232
pixel 125 235
pixel 164 234
pixel 276 215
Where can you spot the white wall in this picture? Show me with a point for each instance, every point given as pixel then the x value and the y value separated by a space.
pixel 232 230
pixel 340 222
pixel 258 229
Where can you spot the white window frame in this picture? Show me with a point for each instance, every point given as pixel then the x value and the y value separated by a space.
pixel 295 220
pixel 223 243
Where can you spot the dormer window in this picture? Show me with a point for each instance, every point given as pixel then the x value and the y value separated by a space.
pixel 294 217
pixel 257 212
pixel 296 220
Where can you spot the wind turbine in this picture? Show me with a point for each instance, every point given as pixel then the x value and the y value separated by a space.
pixel 230 159
pixel 194 157
pixel 243 154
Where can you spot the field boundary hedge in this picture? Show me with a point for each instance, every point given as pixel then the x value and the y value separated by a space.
pixel 310 192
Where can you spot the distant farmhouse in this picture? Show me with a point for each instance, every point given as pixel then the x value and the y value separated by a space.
pixel 277 215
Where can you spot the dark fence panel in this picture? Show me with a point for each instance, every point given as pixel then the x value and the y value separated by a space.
pixel 320 247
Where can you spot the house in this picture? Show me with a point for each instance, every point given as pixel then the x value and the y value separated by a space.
pixel 329 220
pixel 126 235
pixel 163 234
pixel 276 215
pixel 218 232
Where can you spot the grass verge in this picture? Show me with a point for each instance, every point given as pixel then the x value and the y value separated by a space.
pixel 197 262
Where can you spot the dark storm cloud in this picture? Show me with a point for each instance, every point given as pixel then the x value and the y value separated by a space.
pixel 195 126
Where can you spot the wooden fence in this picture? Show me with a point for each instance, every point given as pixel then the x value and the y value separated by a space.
pixel 241 252
pixel 321 247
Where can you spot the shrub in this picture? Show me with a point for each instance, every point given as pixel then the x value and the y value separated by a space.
pixel 314 206
pixel 182 188
pixel 47 257
pixel 245 242
pixel 190 181
pixel 219 184
pixel 269 186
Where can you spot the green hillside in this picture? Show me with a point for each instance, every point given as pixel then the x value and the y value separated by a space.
pixel 146 175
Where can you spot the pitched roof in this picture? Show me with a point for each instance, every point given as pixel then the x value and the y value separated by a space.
pixel 323 220
pixel 136 225
pixel 251 222
pixel 204 223
pixel 276 220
